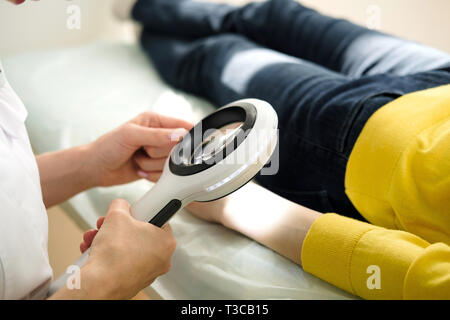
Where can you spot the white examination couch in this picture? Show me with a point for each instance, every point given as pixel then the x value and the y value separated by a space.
pixel 75 95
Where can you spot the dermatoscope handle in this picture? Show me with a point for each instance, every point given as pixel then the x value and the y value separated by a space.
pixel 154 207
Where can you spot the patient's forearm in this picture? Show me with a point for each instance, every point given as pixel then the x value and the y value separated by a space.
pixel 63 174
pixel 269 219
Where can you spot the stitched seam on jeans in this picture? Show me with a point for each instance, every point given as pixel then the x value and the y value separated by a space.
pixel 345 131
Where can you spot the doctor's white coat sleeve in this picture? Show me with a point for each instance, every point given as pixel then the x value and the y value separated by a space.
pixel 25 270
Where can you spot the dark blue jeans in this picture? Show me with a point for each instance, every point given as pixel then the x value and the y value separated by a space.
pixel 325 77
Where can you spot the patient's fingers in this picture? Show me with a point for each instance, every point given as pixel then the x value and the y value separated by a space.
pixel 146 163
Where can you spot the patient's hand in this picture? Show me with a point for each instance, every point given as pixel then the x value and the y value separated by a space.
pixel 137 149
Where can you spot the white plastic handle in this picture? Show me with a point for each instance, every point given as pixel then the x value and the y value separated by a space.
pixel 144 209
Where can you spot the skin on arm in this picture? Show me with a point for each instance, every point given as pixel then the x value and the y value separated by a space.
pixel 277 223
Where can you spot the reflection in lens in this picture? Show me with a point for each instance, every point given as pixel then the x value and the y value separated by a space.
pixel 215 142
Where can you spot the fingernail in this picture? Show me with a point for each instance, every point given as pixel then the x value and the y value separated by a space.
pixel 177 134
pixel 142 174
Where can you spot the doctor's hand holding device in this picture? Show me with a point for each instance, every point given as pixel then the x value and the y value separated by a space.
pixel 217 156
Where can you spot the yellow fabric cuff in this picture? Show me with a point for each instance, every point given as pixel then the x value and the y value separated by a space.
pixel 363 259
pixel 328 247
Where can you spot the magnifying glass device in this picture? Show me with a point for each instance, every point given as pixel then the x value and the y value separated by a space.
pixel 220 154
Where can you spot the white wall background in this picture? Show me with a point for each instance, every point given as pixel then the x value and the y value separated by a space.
pixel 425 21
pixel 42 24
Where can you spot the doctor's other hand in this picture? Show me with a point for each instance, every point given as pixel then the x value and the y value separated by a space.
pixel 126 255
pixel 137 149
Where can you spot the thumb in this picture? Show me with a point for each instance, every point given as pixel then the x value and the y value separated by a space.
pixel 119 206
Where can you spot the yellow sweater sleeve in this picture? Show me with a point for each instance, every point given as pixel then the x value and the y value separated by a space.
pixel 374 262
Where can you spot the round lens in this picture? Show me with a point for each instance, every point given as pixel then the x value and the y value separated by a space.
pixel 215 142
